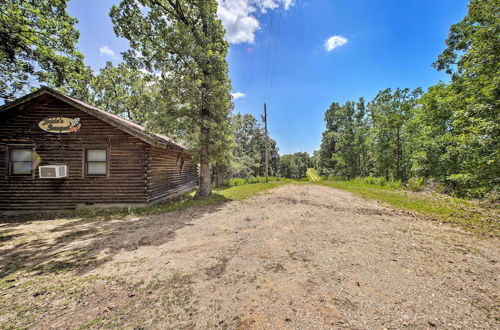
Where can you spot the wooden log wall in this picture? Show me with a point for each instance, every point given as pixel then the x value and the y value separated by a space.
pixel 126 181
pixel 164 176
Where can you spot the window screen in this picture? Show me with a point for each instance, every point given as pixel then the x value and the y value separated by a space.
pixel 97 164
pixel 21 162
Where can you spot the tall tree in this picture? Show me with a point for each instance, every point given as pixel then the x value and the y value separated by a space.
pixel 343 149
pixel 295 165
pixel 38 46
pixel 184 40
pixel 249 148
pixel 391 112
pixel 361 135
pixel 328 141
pixel 472 57
pixel 434 149
pixel 136 95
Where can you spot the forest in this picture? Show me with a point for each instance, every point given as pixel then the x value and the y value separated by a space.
pixel 174 80
pixel 447 136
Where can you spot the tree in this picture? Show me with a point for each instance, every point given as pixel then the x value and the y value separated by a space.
pixel 328 141
pixel 38 46
pixel 184 41
pixel 391 113
pixel 361 135
pixel 343 148
pixel 471 57
pixel 249 148
pixel 295 165
pixel 434 152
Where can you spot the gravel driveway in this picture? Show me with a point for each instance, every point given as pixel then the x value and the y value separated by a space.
pixel 297 257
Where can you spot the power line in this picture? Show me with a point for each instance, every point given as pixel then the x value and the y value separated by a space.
pixel 275 55
pixel 268 54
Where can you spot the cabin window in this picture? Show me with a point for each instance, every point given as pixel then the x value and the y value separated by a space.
pixel 21 161
pixel 180 162
pixel 97 162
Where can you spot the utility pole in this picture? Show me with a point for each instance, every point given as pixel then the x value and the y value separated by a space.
pixel 267 144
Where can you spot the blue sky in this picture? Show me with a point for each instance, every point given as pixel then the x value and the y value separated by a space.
pixel 379 44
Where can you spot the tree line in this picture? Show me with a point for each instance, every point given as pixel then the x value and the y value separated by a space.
pixel 174 80
pixel 449 134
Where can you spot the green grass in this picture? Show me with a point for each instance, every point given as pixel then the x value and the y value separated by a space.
pixel 238 193
pixel 473 216
pixel 313 175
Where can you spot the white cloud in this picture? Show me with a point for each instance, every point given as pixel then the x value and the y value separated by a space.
pixel 334 42
pixel 239 17
pixel 108 52
pixel 238 95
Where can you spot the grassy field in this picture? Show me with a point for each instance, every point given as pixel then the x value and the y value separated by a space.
pixel 474 216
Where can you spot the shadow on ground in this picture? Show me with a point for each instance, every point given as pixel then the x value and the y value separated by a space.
pixel 46 244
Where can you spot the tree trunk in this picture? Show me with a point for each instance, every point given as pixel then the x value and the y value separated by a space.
pixel 398 155
pixel 205 188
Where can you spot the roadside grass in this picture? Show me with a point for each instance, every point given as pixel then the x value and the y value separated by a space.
pixel 474 216
pixel 313 175
pixel 238 193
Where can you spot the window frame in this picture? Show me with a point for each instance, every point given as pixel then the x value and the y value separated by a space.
pixel 9 162
pixel 86 162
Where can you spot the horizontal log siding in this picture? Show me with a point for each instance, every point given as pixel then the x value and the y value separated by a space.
pixel 126 182
pixel 163 174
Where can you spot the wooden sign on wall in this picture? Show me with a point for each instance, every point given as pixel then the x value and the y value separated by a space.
pixel 60 125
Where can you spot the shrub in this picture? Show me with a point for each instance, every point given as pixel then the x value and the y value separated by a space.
pixel 416 184
pixel 236 182
pixel 250 180
pixel 369 180
pixel 394 184
pixel 358 179
pixel 380 181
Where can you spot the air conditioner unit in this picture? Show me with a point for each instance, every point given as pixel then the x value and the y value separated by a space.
pixel 53 171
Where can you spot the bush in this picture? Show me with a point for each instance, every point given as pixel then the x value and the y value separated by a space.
pixel 394 184
pixel 250 180
pixel 380 181
pixel 369 180
pixel 358 179
pixel 438 187
pixel 331 178
pixel 236 182
pixel 416 184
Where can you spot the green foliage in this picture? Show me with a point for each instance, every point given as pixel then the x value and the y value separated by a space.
pixel 38 45
pixel 416 184
pixel 126 92
pixel 343 147
pixel 450 135
pixel 295 166
pixel 249 148
pixel 184 42
pixel 390 136
pixel 251 180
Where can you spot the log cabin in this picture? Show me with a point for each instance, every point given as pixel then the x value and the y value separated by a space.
pixel 59 153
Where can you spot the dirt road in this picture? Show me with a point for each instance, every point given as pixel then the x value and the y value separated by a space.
pixel 297 257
